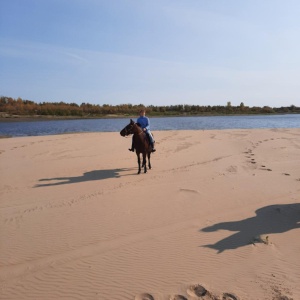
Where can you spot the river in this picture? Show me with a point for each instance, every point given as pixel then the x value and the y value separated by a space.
pixel 37 128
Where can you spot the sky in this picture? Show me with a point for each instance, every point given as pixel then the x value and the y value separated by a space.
pixel 151 52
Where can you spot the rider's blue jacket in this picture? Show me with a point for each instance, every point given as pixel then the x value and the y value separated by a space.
pixel 144 122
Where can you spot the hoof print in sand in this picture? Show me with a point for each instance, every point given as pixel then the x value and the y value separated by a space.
pixel 228 296
pixel 178 297
pixel 144 296
pixel 197 290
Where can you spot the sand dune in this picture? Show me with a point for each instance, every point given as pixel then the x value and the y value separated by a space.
pixel 217 217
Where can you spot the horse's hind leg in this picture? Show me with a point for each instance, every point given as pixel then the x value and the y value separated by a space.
pixel 144 163
pixel 149 163
pixel 139 163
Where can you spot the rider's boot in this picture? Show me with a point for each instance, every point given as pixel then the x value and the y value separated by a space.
pixel 153 149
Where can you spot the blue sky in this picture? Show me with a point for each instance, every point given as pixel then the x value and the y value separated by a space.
pixel 159 52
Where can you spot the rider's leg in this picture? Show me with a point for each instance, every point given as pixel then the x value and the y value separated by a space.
pixel 151 140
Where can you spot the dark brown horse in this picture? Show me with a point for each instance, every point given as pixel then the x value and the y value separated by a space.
pixel 140 142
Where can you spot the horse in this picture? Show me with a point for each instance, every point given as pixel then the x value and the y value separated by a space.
pixel 141 144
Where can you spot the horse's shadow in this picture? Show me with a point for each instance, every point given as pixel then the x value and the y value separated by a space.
pixel 268 220
pixel 87 176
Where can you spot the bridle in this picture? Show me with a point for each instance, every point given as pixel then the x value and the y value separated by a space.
pixel 129 130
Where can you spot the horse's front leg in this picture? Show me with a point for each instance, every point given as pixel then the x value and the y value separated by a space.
pixel 139 162
pixel 144 162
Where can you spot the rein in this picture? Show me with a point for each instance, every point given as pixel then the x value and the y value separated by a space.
pixel 142 131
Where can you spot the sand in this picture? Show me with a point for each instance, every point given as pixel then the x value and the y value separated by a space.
pixel 218 215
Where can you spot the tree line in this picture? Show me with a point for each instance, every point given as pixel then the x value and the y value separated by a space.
pixel 22 107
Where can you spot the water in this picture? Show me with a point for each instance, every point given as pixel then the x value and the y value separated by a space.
pixel 171 123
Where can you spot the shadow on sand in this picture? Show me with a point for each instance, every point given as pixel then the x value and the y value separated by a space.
pixel 88 176
pixel 269 219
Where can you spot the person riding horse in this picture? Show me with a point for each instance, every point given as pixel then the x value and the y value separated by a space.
pixel 141 144
pixel 144 123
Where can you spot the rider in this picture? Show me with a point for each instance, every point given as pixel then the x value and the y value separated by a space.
pixel 144 122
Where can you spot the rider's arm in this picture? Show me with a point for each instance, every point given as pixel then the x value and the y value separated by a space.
pixel 147 123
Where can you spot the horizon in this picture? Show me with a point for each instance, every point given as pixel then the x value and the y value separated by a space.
pixel 159 53
pixel 147 106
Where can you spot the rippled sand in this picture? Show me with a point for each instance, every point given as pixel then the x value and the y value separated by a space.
pixel 217 217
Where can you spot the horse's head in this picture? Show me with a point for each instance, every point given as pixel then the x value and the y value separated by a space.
pixel 127 130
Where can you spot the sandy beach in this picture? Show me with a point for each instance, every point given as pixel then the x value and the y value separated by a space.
pixel 217 217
